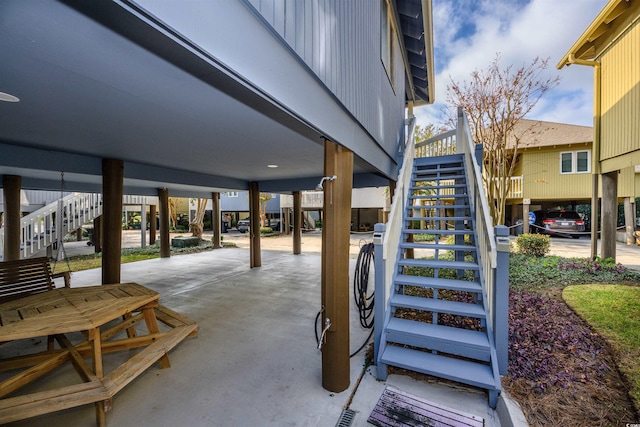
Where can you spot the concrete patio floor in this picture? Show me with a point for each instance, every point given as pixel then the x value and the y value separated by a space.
pixel 255 360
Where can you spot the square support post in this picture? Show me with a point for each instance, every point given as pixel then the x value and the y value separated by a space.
pixel 216 216
pixel 297 222
pixel 336 227
pixel 609 214
pixel 501 299
pixel 163 202
pixel 11 185
pixel 143 225
pixel 152 225
pixel 380 307
pixel 254 225
pixel 112 191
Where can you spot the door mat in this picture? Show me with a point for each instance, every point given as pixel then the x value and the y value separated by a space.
pixel 399 409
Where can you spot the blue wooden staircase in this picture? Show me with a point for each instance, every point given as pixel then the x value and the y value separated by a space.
pixel 437 322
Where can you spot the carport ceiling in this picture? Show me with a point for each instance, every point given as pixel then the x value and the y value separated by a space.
pixel 84 89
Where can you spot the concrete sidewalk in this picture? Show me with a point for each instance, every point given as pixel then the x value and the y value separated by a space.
pixel 255 360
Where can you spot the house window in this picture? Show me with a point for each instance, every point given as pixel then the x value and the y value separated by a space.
pixel 575 162
pixel 388 42
pixel 231 194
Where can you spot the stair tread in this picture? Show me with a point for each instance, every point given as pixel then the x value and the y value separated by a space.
pixel 436 246
pixel 421 231
pixel 438 305
pixel 440 332
pixel 424 187
pixel 438 282
pixel 438 207
pixel 438 196
pixel 466 372
pixel 438 263
pixel 438 218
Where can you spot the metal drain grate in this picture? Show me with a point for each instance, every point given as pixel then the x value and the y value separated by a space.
pixel 346 418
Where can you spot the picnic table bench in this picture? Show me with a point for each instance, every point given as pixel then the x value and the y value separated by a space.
pixel 107 315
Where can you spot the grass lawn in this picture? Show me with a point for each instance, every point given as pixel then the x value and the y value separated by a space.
pixel 614 312
pixel 86 262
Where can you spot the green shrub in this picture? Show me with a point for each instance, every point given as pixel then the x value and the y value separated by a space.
pixel 266 230
pixel 451 240
pixel 533 244
pixel 423 237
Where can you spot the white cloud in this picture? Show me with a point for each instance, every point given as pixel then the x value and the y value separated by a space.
pixel 519 32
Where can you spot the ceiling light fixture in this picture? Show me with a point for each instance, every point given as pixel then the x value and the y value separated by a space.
pixel 6 97
pixel 272 166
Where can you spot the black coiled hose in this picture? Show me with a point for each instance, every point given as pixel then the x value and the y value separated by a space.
pixel 364 302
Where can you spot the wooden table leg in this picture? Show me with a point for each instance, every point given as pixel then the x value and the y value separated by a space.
pixel 152 327
pixel 96 356
pixel 131 332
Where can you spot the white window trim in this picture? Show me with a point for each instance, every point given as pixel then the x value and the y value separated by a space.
pixel 574 162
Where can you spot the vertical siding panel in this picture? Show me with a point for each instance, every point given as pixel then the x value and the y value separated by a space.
pixel 290 23
pixel 279 16
pixel 339 40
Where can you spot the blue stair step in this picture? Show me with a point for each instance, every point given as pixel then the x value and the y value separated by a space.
pixel 460 342
pixel 436 246
pixel 438 160
pixel 438 283
pixel 449 232
pixel 439 263
pixel 437 196
pixel 439 218
pixel 438 306
pixel 436 186
pixel 438 206
pixel 466 372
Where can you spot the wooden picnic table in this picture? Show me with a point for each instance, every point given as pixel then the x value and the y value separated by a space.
pixel 65 310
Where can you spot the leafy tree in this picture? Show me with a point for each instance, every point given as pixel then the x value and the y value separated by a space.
pixel 197 224
pixel 495 99
pixel 264 198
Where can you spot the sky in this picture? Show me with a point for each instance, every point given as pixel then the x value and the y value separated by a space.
pixel 469 33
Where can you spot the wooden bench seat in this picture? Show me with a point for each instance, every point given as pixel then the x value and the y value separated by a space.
pixel 26 277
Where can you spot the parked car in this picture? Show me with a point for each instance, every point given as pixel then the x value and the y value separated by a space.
pixel 243 224
pixel 559 223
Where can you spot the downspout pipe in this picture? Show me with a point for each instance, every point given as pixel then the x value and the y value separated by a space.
pixel 595 154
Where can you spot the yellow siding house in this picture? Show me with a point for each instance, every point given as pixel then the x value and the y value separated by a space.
pixel 554 168
pixel 611 45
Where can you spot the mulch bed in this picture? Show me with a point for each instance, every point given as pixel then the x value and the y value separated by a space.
pixel 560 371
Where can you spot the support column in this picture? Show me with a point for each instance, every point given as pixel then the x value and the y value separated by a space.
pixel 143 225
pixel 609 214
pixel 630 220
pixel 287 218
pixel 525 218
pixel 254 224
pixel 163 202
pixel 338 161
pixel 152 225
pixel 97 234
pixel 216 216
pixel 297 222
pixel 11 189
pixel 595 209
pixel 112 190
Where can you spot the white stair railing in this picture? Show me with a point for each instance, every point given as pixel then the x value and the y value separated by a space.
pixel 38 229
